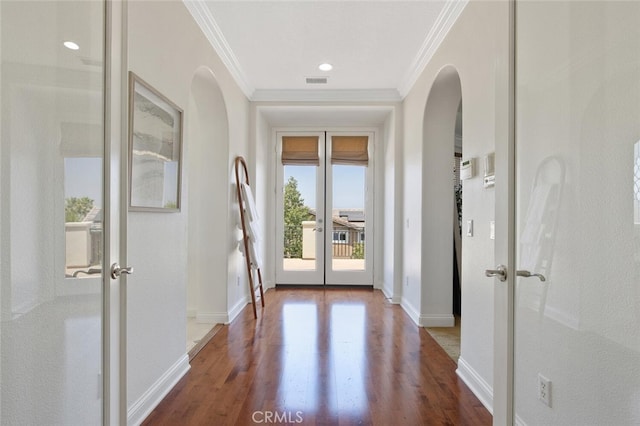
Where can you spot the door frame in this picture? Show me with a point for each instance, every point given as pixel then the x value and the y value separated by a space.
pixel 505 221
pixel 115 196
pixel 372 203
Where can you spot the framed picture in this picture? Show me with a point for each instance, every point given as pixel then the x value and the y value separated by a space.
pixel 155 149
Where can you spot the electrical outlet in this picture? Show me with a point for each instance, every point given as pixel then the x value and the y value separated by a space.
pixel 544 389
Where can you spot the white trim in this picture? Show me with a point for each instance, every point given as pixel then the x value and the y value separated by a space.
pixel 192 313
pixel 388 293
pixel 326 95
pixel 212 317
pixel 437 320
pixel 236 309
pixel 410 310
pixel 519 421
pixel 448 16
pixel 203 17
pixel 480 388
pixel 140 409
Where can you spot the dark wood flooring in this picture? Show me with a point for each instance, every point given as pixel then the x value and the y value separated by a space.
pixel 322 357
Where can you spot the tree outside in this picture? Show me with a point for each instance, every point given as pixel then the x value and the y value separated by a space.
pixel 358 251
pixel 295 212
pixel 75 209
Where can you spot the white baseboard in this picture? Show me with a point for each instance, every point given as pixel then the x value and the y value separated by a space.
pixel 140 409
pixel 212 317
pixel 410 310
pixel 236 309
pixel 387 293
pixel 476 383
pixel 437 320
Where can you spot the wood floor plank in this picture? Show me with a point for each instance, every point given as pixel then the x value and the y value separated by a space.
pixel 321 357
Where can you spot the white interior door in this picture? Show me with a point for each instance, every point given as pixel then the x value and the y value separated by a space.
pixel 57 338
pixel 324 204
pixel 577 115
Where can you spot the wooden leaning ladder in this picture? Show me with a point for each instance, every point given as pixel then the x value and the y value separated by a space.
pixel 245 236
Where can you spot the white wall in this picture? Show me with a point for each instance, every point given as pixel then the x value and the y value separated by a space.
pixel 206 158
pixel 166 49
pixel 470 47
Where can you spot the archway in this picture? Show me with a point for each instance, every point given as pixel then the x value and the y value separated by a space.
pixel 206 151
pixel 437 263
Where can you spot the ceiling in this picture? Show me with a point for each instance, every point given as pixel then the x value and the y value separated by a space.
pixel 377 48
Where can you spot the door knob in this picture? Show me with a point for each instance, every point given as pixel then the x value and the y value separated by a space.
pixel 500 272
pixel 528 274
pixel 116 270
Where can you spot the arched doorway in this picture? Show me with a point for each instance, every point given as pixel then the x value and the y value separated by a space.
pixel 439 213
pixel 207 146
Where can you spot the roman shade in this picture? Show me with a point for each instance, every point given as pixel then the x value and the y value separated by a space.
pixel 300 150
pixel 350 150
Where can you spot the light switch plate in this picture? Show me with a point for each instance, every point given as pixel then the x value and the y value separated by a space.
pixel 492 229
pixel 470 228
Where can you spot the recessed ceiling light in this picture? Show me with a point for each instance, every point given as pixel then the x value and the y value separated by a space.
pixel 325 67
pixel 71 45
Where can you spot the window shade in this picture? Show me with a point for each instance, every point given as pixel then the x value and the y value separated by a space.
pixel 300 150
pixel 350 150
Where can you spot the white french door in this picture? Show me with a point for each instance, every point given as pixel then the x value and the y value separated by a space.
pixel 60 190
pixel 568 342
pixel 324 198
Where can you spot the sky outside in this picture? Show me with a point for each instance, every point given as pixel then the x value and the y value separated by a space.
pixel 83 178
pixel 348 185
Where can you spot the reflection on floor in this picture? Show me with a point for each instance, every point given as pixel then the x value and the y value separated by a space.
pixel 448 338
pixel 198 335
pixel 321 357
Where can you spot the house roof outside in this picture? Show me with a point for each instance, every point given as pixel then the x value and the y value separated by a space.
pixel 349 218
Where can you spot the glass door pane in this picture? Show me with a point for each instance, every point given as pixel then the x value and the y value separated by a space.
pixel 348 215
pixel 577 332
pixel 300 224
pixel 349 204
pixel 51 158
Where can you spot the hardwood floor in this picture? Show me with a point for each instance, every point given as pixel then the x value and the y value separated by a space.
pixel 323 357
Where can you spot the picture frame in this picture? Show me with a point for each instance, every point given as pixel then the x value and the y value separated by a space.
pixel 155 149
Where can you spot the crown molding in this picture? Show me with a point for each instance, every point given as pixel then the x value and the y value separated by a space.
pixel 448 16
pixel 203 17
pixel 327 95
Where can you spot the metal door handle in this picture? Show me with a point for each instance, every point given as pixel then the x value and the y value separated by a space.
pixel 500 272
pixel 528 274
pixel 116 270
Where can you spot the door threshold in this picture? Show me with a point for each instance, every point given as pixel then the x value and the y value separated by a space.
pixel 325 286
